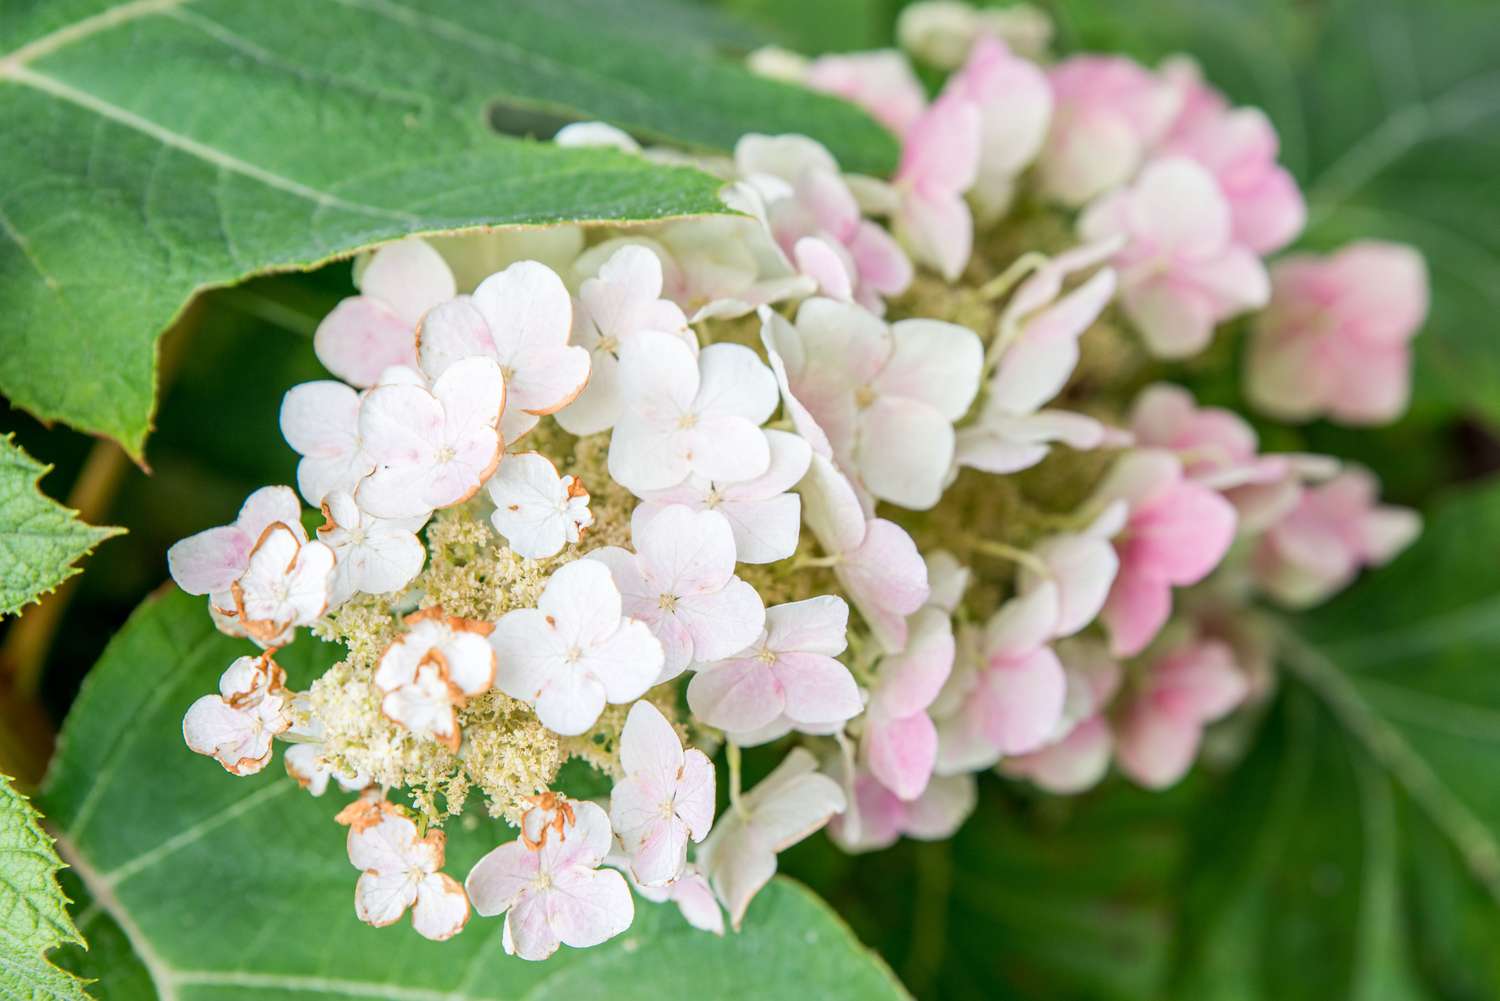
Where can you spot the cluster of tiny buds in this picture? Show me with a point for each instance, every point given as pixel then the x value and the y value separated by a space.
pixel 903 547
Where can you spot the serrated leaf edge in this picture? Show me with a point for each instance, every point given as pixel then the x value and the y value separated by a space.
pixel 101 533
pixel 70 935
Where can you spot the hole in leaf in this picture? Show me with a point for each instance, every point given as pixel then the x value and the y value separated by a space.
pixel 528 121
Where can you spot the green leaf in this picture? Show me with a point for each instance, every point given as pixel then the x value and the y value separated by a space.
pixel 159 147
pixel 233 889
pixel 1062 900
pixel 829 26
pixel 1036 897
pixel 40 540
pixel 110 962
pixel 1389 115
pixel 33 911
pixel 1357 852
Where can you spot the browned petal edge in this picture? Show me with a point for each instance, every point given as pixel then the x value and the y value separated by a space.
pixel 416 338
pixel 301 778
pixel 275 681
pixel 399 640
pixel 421 615
pixel 231 612
pixel 577 391
pixel 380 924
pixel 487 472
pixel 547 802
pixel 494 670
pixel 455 734
pixel 283 713
pixel 439 842
pixel 437 659
pixel 247 766
pixel 454 622
pixel 456 695
pixel 478 627
pixel 329 521
pixel 366 811
pixel 266 534
pixel 264 631
pixel 433 612
pixel 504 388
pixel 576 489
pixel 452 885
pixel 454 737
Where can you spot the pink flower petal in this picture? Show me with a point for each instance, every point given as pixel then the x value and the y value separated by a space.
pixel 1073 764
pixel 902 752
pixel 909 681
pixel 736 695
pixel 363 337
pixel 886 579
pixel 1021 700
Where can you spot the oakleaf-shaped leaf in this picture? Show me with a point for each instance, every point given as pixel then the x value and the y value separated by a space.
pixel 40 540
pixel 33 911
pixel 155 148
pixel 240 889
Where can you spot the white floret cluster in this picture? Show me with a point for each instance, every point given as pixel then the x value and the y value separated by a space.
pixel 870 473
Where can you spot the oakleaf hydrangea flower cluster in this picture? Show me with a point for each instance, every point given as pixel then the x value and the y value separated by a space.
pixel 890 478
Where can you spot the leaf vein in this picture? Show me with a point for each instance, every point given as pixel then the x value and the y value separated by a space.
pixel 201 151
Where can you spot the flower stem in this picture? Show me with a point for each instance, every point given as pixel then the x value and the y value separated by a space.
pixel 851 811
pixel 732 752
pixel 809 562
pixel 1008 279
pixel 1001 550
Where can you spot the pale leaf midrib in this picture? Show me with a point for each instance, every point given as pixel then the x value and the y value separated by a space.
pixel 198 150
pixel 61 38
pixel 1402 130
pixel 1436 713
pixel 1473 621
pixel 1475 843
pixel 1378 881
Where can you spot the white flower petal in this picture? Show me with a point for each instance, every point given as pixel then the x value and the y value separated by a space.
pixel 442 908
